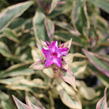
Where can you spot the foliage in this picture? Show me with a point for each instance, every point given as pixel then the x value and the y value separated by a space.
pixel 23 29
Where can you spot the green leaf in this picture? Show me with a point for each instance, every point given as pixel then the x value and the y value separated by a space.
pixel 37 105
pixel 53 5
pixel 11 35
pixel 7 104
pixel 19 104
pixel 4 96
pixel 67 7
pixel 71 102
pixel 12 12
pixel 17 70
pixel 63 35
pixel 70 79
pixel 87 92
pixel 37 54
pixel 23 84
pixel 104 79
pixel 38 26
pixel 68 96
pixel 103 4
pixel 29 105
pixel 76 10
pixel 102 103
pixel 49 27
pixel 49 72
pixel 17 23
pixel 4 50
pixel 100 65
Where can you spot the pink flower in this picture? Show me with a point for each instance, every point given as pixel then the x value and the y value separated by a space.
pixel 53 54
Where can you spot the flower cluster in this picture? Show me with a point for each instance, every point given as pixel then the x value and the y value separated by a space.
pixel 53 54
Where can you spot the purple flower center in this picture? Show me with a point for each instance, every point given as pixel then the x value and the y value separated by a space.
pixel 53 54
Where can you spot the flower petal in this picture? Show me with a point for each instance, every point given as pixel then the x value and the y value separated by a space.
pixel 45 52
pixel 47 43
pixel 53 54
pixel 54 43
pixel 48 62
pixel 53 46
pixel 58 62
pixel 63 51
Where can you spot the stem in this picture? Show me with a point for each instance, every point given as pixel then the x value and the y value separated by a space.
pixel 51 100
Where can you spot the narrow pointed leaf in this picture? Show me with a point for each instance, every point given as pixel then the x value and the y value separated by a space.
pixel 11 35
pixel 70 79
pixel 102 103
pixel 38 26
pixel 12 12
pixel 32 106
pixel 4 50
pixel 68 100
pixel 19 104
pixel 99 64
pixel 53 5
pixel 103 4
pixel 49 27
